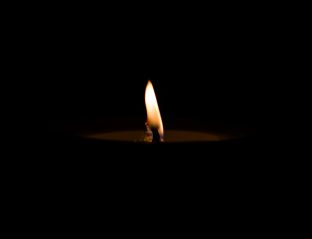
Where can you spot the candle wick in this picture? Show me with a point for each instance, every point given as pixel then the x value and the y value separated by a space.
pixel 156 136
pixel 152 135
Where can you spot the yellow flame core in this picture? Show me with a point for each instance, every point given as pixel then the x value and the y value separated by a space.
pixel 153 113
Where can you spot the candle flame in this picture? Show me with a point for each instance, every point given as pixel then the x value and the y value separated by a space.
pixel 153 113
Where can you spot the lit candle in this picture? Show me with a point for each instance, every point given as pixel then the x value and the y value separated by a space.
pixel 155 131
pixel 154 125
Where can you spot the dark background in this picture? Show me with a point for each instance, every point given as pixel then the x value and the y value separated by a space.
pixel 216 67
pixel 216 64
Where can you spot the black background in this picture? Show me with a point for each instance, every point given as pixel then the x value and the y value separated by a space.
pixel 217 67
pixel 216 64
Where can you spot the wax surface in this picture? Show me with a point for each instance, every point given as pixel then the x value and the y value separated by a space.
pixel 171 136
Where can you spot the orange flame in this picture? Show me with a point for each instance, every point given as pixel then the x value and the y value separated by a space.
pixel 152 109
